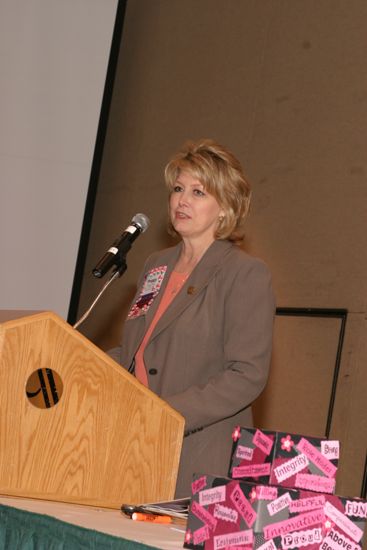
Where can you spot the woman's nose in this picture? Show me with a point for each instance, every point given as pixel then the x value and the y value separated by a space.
pixel 183 197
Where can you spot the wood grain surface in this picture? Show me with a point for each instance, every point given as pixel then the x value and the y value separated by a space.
pixel 107 441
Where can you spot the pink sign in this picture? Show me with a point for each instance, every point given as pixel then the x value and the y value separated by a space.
pixel 201 535
pixel 316 457
pixel 303 521
pixel 306 504
pixel 263 442
pixel 315 483
pixel 233 539
pixel 344 523
pixel 203 515
pixel 211 496
pixel 197 485
pixel 243 506
pixel 252 470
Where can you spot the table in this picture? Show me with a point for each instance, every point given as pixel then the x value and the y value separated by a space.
pixel 86 526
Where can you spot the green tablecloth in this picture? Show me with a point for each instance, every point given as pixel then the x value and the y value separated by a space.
pixel 21 530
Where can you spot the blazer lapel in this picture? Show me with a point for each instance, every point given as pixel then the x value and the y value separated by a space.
pixel 198 280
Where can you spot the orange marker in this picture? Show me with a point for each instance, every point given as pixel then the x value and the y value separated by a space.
pixel 137 516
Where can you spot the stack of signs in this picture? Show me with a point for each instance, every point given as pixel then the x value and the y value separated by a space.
pixel 280 494
pixel 288 460
pixel 231 514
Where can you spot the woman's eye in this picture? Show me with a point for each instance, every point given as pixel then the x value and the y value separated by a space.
pixel 177 188
pixel 199 192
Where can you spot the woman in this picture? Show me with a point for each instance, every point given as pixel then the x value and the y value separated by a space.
pixel 200 328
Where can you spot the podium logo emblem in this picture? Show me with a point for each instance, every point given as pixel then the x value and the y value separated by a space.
pixel 44 388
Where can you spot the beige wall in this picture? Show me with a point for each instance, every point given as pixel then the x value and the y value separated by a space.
pixel 283 83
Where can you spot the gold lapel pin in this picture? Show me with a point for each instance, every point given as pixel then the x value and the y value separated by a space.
pixel 191 290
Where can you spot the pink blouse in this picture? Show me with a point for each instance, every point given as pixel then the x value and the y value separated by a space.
pixel 174 285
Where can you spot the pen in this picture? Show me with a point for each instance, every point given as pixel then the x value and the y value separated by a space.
pixel 136 516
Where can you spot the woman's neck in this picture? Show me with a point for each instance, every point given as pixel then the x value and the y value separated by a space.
pixel 191 254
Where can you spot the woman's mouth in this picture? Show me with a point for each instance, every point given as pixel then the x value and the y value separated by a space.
pixel 181 215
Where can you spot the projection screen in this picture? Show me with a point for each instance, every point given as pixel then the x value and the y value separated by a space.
pixel 53 62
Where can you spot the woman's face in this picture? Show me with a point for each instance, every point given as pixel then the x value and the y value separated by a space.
pixel 194 212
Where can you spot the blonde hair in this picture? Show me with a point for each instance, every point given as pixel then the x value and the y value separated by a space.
pixel 221 174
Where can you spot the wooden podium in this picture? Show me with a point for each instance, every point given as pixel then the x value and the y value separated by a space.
pixel 108 440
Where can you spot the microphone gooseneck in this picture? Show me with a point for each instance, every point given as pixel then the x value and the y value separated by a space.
pixel 115 256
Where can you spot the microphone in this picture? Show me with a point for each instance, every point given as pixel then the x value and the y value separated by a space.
pixel 122 245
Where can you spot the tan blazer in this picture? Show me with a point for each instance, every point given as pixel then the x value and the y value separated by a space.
pixel 209 354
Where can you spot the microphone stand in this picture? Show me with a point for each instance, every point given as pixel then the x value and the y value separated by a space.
pixel 121 267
